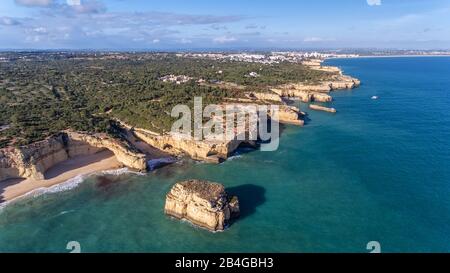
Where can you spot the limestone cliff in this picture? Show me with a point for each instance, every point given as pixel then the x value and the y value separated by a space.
pixel 205 204
pixel 316 64
pixel 344 82
pixel 290 115
pixel 303 95
pixel 210 150
pixel 322 108
pixel 265 96
pixel 331 69
pixel 31 161
pixel 86 144
pixel 317 92
pixel 207 150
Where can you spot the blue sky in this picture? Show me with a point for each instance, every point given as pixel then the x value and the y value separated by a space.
pixel 189 24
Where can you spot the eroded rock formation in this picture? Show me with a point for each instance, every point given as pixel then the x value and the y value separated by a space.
pixel 344 82
pixel 34 159
pixel 322 108
pixel 303 95
pixel 203 203
pixel 206 150
pixel 265 96
pixel 290 115
pixel 79 144
pixel 31 161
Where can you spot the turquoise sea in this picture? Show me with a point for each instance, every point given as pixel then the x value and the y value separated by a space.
pixel 378 170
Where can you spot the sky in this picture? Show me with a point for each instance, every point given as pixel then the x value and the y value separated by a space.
pixel 198 24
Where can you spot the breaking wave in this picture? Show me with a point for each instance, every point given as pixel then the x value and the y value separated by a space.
pixel 155 163
pixel 233 157
pixel 119 172
pixel 69 184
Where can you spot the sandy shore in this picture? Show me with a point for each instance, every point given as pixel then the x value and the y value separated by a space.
pixel 61 172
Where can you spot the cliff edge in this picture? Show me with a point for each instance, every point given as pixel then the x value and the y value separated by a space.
pixel 32 161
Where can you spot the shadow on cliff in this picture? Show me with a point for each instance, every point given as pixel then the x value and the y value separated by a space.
pixel 76 163
pixel 250 197
pixel 244 149
pixel 306 119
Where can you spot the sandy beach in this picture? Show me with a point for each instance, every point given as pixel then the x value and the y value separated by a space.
pixel 81 165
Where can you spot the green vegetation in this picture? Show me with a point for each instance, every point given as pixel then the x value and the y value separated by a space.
pixel 44 93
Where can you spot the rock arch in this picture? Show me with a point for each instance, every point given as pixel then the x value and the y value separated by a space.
pixel 32 161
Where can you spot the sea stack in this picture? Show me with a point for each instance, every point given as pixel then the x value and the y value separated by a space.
pixel 205 204
pixel 322 108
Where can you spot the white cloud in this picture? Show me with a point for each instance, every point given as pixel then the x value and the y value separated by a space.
pixel 316 40
pixel 74 2
pixel 185 41
pixel 8 21
pixel 374 2
pixel 224 39
pixel 92 25
pixel 34 3
pixel 312 39
pixel 40 30
pixel 88 6
pixel 33 39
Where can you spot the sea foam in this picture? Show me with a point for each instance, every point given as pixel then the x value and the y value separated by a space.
pixel 68 184
pixel 155 163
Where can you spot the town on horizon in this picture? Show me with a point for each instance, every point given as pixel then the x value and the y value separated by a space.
pixel 233 25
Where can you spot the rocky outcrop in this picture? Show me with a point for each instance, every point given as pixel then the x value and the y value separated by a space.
pixel 308 91
pixel 321 97
pixel 265 96
pixel 312 63
pixel 203 203
pixel 32 161
pixel 304 96
pixel 205 150
pixel 316 64
pixel 330 69
pixel 322 108
pixel 80 144
pixel 286 114
pixel 317 92
pixel 344 82
pixel 290 115
pixel 211 150
pixel 10 164
pixel 322 87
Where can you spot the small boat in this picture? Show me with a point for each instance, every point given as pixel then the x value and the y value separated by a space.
pixel 374 97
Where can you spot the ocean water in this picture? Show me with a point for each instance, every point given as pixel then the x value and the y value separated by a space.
pixel 378 170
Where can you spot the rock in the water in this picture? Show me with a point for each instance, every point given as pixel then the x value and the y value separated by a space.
pixel 322 108
pixel 203 203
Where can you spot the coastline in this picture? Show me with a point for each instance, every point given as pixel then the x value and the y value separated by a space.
pixel 81 166
pixel 85 165
pixel 387 56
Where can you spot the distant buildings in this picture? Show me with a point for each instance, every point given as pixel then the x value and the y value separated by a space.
pixel 178 79
pixel 269 58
